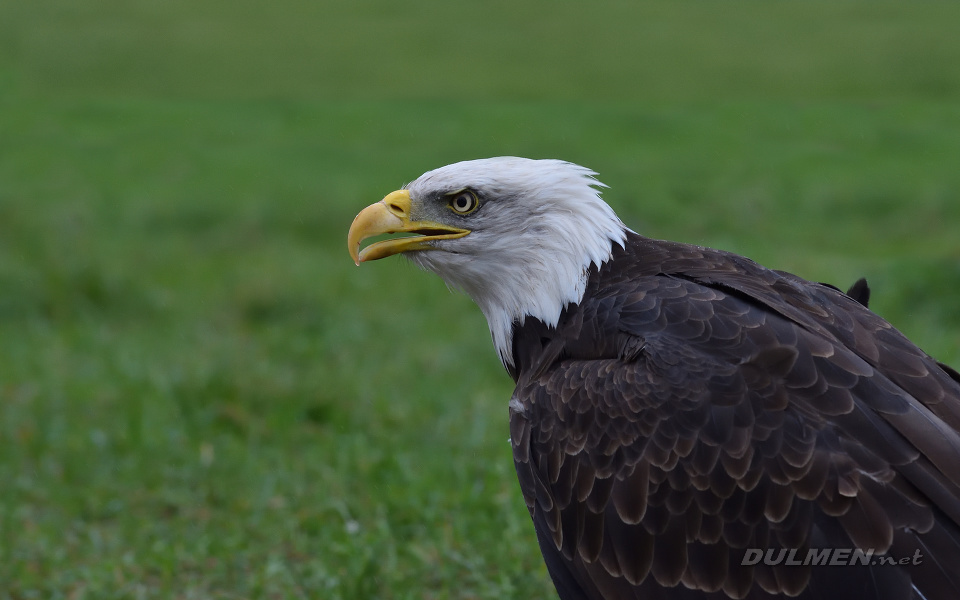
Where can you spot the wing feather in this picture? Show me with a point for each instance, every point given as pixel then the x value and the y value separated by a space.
pixel 707 406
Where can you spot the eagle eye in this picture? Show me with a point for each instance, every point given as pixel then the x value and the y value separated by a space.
pixel 464 202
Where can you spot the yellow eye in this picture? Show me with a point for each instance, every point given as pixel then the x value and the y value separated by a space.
pixel 464 203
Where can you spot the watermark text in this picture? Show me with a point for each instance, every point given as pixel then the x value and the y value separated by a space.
pixel 834 557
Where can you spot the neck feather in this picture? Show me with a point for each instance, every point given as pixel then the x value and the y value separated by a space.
pixel 534 275
pixel 549 280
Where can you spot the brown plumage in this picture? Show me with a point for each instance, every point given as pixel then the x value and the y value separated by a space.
pixel 679 409
pixel 695 404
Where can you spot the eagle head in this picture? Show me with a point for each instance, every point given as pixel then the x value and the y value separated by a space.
pixel 516 235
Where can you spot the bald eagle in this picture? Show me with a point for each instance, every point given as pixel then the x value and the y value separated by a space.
pixel 687 423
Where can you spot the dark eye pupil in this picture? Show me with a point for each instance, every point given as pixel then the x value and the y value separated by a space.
pixel 463 202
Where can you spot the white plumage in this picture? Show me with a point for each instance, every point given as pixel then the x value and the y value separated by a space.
pixel 528 256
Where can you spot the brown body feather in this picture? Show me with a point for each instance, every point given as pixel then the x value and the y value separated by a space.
pixel 695 405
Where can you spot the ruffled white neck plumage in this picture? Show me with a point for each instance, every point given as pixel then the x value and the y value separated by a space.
pixel 542 226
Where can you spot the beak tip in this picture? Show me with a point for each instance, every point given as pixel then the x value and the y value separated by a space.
pixel 353 246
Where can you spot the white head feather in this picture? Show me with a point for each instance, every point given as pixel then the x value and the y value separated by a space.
pixel 540 227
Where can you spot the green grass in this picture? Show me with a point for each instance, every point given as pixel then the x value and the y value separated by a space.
pixel 202 397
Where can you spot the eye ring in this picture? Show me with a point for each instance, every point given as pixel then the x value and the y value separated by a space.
pixel 464 202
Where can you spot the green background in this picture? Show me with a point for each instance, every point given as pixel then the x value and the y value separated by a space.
pixel 202 397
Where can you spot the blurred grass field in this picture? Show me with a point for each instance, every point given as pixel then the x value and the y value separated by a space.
pixel 202 397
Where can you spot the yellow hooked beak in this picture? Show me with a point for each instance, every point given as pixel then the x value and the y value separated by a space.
pixel 392 215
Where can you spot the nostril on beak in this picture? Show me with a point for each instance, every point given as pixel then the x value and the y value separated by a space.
pixel 397 204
